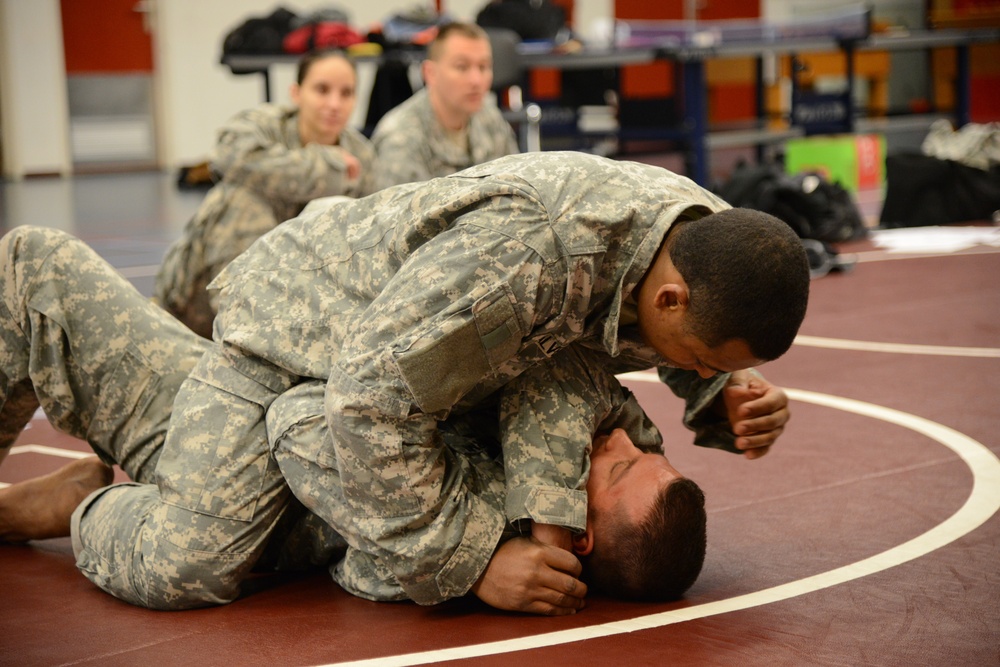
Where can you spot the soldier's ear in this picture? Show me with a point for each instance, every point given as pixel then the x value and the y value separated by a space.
pixel 583 543
pixel 671 296
pixel 427 71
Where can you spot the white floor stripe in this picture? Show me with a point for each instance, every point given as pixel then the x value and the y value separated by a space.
pixel 885 255
pixel 641 376
pixel 901 348
pixel 43 449
pixel 51 451
pixel 983 502
pixel 147 271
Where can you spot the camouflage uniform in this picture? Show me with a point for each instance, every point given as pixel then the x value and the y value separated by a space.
pixel 538 428
pixel 370 347
pixel 419 302
pixel 267 178
pixel 107 366
pixel 110 367
pixel 413 146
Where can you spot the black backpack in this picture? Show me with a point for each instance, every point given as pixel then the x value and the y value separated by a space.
pixel 530 19
pixel 813 206
pixel 260 35
pixel 923 190
pixel 819 211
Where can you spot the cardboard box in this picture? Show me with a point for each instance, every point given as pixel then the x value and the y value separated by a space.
pixel 856 161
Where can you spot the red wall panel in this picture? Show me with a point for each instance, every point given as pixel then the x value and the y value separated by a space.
pixel 104 36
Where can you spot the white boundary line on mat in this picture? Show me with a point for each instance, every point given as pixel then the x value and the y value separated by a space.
pixel 983 502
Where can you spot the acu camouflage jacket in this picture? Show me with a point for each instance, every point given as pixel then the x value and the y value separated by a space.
pixel 416 306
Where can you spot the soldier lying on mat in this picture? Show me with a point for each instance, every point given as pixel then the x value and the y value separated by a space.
pixel 363 355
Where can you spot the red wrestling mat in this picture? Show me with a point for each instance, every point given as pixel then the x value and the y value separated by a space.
pixel 868 536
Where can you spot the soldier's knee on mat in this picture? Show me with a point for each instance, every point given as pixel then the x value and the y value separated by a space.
pixel 186 588
pixel 31 239
pixel 122 545
pixel 192 585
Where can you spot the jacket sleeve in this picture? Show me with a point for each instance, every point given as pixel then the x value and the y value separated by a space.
pixel 548 419
pixel 711 429
pixel 360 147
pixel 253 152
pixel 444 324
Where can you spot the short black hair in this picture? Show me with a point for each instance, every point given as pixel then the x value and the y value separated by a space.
pixel 747 276
pixel 658 558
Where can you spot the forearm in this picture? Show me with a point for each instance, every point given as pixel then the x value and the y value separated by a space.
pixel 397 383
pixel 295 176
pixel 548 416
pixel 711 428
pixel 628 415
pixel 705 411
pixel 420 519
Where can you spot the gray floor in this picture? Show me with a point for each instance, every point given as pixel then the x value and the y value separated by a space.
pixel 128 218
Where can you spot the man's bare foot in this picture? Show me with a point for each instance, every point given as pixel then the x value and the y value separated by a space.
pixel 40 508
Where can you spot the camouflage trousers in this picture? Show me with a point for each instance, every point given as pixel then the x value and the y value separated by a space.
pixel 181 416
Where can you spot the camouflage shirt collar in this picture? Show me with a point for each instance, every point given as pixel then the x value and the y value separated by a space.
pixel 632 271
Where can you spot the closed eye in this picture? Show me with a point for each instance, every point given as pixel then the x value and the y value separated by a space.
pixel 619 470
